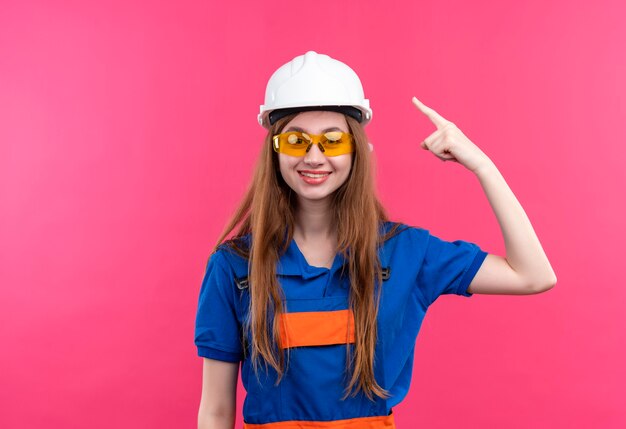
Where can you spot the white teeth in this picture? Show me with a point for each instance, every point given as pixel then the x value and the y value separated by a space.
pixel 315 176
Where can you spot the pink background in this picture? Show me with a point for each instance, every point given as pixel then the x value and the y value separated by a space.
pixel 128 134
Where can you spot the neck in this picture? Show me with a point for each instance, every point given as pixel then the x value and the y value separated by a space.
pixel 313 220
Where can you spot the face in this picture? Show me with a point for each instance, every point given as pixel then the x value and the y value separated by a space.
pixel 315 176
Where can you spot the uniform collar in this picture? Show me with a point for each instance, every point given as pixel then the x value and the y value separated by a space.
pixel 293 263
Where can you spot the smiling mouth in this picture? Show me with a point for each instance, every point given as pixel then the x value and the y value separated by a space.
pixel 316 175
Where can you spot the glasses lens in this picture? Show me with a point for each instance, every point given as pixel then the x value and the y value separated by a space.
pixel 337 143
pixel 296 143
pixel 292 143
pixel 334 136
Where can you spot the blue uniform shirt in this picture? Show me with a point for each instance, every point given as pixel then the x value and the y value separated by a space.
pixel 422 267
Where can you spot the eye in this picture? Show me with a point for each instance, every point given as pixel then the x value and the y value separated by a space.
pixel 334 136
pixel 294 139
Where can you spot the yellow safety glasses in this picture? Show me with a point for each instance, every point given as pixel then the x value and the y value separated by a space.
pixel 296 143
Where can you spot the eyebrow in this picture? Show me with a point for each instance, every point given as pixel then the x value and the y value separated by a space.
pixel 292 128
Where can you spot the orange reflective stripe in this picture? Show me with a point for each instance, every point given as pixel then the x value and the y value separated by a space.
pixel 316 328
pixel 377 422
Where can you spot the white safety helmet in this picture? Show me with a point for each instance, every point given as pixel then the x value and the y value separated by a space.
pixel 314 82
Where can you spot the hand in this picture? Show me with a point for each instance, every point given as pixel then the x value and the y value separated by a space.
pixel 448 143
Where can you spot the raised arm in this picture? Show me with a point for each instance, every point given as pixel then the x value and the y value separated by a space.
pixel 219 395
pixel 525 269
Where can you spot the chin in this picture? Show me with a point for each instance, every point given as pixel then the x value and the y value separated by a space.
pixel 314 196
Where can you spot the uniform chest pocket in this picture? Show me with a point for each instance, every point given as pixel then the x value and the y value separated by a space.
pixel 316 335
pixel 316 328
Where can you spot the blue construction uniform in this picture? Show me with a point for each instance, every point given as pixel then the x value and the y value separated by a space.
pixel 421 267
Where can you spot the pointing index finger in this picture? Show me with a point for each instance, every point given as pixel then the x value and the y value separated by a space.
pixel 434 117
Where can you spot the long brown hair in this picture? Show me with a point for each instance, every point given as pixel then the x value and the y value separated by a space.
pixel 267 213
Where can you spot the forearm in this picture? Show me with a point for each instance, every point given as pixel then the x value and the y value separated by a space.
pixel 523 250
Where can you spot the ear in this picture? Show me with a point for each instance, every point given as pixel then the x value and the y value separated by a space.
pixel 371 146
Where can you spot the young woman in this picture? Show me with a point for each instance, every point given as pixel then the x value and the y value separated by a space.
pixel 318 295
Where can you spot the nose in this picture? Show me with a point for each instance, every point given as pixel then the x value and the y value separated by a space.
pixel 315 156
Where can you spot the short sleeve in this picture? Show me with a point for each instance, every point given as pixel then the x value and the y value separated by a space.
pixel 449 267
pixel 217 329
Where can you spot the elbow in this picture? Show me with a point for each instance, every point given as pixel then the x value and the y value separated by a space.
pixel 213 421
pixel 222 418
pixel 544 285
